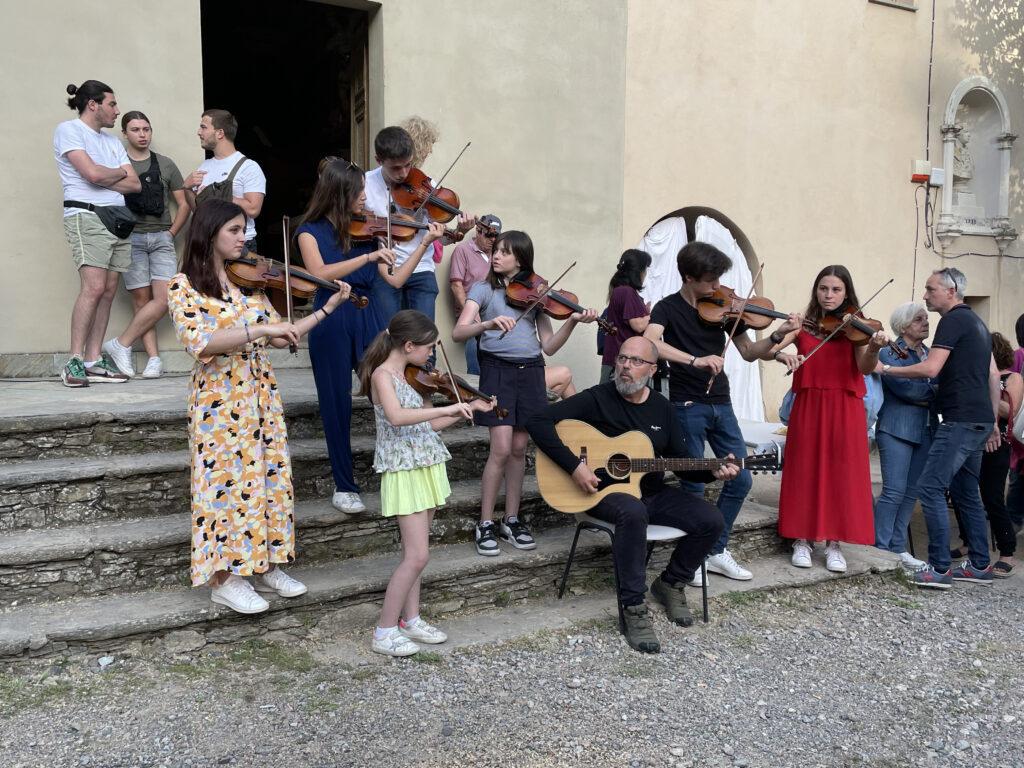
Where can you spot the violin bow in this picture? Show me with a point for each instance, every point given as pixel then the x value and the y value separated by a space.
pixel 448 370
pixel 538 300
pixel 443 176
pixel 285 222
pixel 387 186
pixel 736 324
pixel 846 322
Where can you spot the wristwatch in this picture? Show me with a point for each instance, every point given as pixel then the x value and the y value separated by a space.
pixel 885 368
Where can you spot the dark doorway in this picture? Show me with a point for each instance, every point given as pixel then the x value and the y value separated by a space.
pixel 292 72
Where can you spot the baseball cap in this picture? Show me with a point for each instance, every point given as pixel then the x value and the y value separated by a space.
pixel 491 222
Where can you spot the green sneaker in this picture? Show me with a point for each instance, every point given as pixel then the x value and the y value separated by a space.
pixel 639 630
pixel 674 599
pixel 105 372
pixel 73 373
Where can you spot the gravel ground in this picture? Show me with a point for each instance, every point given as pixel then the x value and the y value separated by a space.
pixel 855 673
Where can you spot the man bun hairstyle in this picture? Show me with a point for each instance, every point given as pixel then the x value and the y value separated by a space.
pixel 223 120
pixel 90 90
pixel 393 143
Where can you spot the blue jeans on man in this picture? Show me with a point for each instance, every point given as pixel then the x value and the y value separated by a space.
pixel 902 463
pixel 954 462
pixel 717 426
pixel 419 293
pixel 472 359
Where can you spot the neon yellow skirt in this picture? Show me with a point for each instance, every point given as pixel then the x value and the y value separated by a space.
pixel 408 491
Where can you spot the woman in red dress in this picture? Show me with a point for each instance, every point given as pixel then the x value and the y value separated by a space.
pixel 826 483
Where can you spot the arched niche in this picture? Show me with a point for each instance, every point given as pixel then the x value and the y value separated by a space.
pixel 691 213
pixel 976 144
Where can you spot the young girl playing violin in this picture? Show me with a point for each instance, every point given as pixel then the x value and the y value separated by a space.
pixel 512 368
pixel 411 460
pixel 335 347
pixel 242 519
pixel 826 486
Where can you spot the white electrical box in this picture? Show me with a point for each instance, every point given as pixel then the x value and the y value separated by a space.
pixel 937 177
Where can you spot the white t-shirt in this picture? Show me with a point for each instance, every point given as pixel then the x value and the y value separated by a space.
pixel 249 178
pixel 102 148
pixel 377 202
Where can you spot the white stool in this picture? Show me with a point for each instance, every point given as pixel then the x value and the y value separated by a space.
pixel 655 533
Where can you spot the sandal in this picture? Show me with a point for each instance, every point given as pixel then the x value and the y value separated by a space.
pixel 960 553
pixel 1002 569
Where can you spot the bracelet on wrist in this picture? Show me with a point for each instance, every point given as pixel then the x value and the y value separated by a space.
pixel 776 355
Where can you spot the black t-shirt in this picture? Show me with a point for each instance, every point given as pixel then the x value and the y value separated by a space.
pixel 603 408
pixel 685 331
pixel 963 381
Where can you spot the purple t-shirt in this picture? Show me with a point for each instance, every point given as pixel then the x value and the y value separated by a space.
pixel 1018 360
pixel 624 305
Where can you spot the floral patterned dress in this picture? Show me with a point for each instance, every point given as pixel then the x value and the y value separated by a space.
pixel 242 503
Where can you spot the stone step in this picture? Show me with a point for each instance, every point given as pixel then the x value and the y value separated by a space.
pixel 456 579
pixel 47 493
pixel 133 555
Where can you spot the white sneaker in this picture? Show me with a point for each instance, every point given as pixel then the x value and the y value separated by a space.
pixel 280 582
pixel 910 562
pixel 697 580
pixel 394 643
pixel 238 595
pixel 347 501
pixel 422 632
pixel 154 368
pixel 726 565
pixel 801 554
pixel 121 355
pixel 834 559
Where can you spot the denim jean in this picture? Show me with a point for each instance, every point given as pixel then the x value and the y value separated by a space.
pixel 902 463
pixel 472 360
pixel 717 425
pixel 419 293
pixel 954 462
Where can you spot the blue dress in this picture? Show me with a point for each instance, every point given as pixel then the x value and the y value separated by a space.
pixel 337 345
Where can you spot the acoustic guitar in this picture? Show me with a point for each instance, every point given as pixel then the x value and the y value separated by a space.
pixel 619 463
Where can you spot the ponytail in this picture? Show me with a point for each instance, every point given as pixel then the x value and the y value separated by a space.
pixel 407 325
pixel 81 95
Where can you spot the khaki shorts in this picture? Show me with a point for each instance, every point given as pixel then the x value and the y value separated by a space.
pixel 93 245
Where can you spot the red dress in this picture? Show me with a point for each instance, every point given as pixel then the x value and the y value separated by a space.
pixel 826 478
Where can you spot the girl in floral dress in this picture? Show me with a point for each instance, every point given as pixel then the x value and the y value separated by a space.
pixel 242 504
pixel 411 460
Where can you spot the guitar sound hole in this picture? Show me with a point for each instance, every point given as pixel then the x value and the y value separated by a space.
pixel 618 466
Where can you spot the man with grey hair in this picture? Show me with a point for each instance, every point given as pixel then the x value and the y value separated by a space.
pixel 968 399
pixel 614 407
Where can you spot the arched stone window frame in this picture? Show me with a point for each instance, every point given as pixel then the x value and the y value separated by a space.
pixel 950 226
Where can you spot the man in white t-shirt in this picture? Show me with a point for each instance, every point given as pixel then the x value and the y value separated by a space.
pixel 393 150
pixel 94 171
pixel 217 131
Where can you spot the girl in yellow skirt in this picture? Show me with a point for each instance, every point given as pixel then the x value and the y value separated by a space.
pixel 410 458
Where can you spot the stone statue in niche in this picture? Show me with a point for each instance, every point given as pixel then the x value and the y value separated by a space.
pixel 963 163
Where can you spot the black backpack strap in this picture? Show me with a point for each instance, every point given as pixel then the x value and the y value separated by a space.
pixel 231 176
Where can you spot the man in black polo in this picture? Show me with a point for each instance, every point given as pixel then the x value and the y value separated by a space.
pixel 968 400
pixel 625 404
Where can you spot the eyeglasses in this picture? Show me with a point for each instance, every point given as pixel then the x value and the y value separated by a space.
pixel 487 234
pixel 634 361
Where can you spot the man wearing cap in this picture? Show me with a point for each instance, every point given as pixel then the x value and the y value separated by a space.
pixel 471 261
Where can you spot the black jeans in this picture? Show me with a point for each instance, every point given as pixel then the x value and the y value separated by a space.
pixel 992 482
pixel 701 521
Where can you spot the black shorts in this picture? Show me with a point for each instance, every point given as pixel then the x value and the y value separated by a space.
pixel 518 385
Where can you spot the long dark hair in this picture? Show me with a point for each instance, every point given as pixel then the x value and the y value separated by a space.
pixel 1019 330
pixel 337 187
pixel 407 325
pixel 81 95
pixel 814 312
pixel 519 245
pixel 630 270
pixel 210 216
pixel 1002 351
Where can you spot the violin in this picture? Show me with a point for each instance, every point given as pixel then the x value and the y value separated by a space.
pixel 723 306
pixel 859 330
pixel 368 226
pixel 440 203
pixel 524 291
pixel 427 381
pixel 255 271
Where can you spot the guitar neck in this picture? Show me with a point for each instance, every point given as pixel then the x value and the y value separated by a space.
pixel 681 465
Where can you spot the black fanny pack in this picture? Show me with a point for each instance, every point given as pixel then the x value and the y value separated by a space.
pixel 116 218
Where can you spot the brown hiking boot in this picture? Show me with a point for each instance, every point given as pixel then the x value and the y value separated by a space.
pixel 639 629
pixel 673 598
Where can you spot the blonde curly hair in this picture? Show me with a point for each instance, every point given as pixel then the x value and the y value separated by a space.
pixel 424 135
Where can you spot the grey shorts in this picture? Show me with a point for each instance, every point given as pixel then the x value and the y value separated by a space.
pixel 153 258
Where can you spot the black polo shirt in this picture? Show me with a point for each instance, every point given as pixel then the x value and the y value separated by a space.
pixel 963 393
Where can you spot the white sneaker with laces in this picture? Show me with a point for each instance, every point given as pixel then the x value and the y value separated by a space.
pixel 154 368
pixel 910 562
pixel 347 501
pixel 238 595
pixel 834 559
pixel 121 355
pixel 801 554
pixel 422 632
pixel 697 580
pixel 394 643
pixel 280 582
pixel 725 564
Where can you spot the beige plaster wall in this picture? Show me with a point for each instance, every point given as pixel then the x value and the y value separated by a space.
pixel 43 47
pixel 798 120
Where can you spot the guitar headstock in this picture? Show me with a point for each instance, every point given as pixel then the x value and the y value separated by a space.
pixel 768 460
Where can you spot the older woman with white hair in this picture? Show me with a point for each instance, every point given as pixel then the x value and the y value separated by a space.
pixel 903 432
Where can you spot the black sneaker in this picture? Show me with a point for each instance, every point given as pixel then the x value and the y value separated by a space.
pixel 517 534
pixel 486 541
pixel 639 629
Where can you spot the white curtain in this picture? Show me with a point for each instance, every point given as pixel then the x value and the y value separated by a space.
pixel 744 377
pixel 663 242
